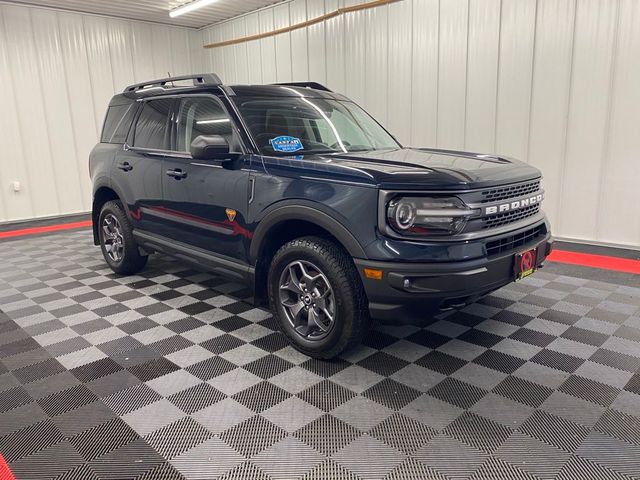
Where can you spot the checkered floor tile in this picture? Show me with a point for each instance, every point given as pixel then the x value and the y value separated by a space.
pixel 173 374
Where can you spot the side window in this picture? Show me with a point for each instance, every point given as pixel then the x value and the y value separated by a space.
pixel 117 123
pixel 203 116
pixel 152 126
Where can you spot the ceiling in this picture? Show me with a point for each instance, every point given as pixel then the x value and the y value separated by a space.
pixel 157 10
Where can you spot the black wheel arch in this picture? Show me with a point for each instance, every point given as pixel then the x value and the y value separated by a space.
pixel 103 193
pixel 286 222
pixel 304 213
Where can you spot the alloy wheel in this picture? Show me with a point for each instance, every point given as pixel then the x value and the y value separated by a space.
pixel 112 237
pixel 308 299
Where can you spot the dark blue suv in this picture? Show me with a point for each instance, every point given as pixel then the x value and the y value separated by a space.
pixel 299 193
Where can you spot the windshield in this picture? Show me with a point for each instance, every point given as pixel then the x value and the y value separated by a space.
pixel 298 125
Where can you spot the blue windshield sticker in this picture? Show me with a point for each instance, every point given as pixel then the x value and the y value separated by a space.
pixel 286 144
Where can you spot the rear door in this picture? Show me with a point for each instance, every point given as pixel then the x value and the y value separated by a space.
pixel 205 202
pixel 137 170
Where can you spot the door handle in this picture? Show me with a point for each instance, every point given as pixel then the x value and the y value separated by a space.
pixel 125 166
pixel 177 173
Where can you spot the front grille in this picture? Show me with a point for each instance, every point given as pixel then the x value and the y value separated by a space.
pixel 509 217
pixel 509 244
pixel 510 191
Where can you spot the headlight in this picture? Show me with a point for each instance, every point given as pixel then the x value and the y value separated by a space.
pixel 419 216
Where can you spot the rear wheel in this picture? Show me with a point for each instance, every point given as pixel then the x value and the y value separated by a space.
pixel 118 245
pixel 317 296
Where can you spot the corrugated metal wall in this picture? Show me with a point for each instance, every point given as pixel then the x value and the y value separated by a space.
pixel 553 82
pixel 58 71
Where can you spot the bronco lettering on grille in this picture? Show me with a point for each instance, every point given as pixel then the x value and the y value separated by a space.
pixel 514 205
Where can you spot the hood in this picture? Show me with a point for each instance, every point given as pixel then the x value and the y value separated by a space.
pixel 411 168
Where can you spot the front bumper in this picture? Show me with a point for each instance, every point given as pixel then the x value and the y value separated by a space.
pixel 410 293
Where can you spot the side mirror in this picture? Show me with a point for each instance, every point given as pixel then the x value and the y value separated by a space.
pixel 210 147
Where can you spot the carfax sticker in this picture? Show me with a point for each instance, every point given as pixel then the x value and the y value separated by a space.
pixel 286 144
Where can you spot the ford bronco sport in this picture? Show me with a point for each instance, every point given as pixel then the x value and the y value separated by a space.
pixel 299 193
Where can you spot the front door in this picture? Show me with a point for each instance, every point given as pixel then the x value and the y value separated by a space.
pixel 205 202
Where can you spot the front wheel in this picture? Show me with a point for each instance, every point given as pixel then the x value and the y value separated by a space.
pixel 118 245
pixel 317 296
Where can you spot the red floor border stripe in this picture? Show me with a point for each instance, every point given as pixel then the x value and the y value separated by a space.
pixel 560 256
pixel 604 262
pixel 44 229
pixel 5 473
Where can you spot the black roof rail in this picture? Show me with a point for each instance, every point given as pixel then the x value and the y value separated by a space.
pixel 200 79
pixel 314 85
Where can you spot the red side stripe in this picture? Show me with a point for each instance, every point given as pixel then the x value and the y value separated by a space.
pixel 559 256
pixel 596 261
pixel 47 228
pixel 5 473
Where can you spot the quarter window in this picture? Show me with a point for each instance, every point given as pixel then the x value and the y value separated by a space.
pixel 152 125
pixel 117 123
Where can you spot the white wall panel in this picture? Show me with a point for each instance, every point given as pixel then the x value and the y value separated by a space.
pixel 358 60
pixel 482 74
pixel 589 107
pixel 618 219
pixel 551 82
pixel 180 51
pixel 31 117
pixel 299 48
pixel 141 38
pixel 334 48
pixel 13 166
pixel 267 47
pixel 83 125
pixel 58 71
pixel 254 52
pixel 316 43
pixel 550 95
pixel 399 71
pixel 424 72
pixel 283 43
pixel 120 47
pixel 57 114
pixel 376 80
pixel 229 58
pixel 240 52
pixel 452 66
pixel 514 76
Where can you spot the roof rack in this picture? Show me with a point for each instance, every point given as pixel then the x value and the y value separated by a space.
pixel 314 85
pixel 200 79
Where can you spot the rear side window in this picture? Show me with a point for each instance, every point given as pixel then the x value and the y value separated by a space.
pixel 151 129
pixel 117 123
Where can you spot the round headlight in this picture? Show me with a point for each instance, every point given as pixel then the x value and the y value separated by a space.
pixel 403 214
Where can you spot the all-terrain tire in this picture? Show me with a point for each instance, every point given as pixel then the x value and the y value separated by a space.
pixel 351 317
pixel 130 261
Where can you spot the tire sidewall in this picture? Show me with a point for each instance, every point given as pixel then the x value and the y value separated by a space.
pixel 343 315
